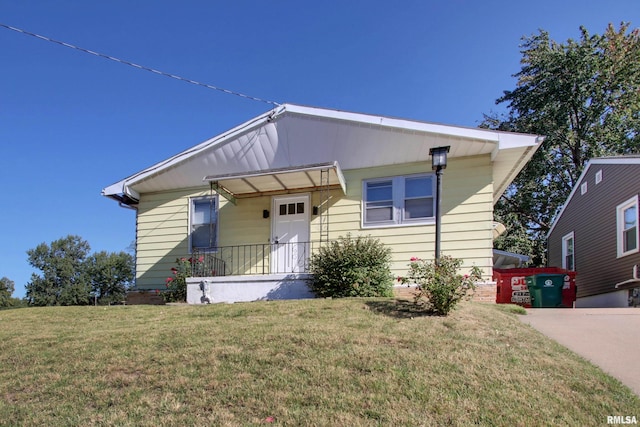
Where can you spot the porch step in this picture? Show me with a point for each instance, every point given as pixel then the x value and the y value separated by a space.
pixel 206 290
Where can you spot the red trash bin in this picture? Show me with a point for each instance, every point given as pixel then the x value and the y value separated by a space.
pixel 512 285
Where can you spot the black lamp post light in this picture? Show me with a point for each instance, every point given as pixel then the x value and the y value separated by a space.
pixel 438 163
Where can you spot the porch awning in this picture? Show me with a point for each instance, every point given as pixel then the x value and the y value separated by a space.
pixel 283 180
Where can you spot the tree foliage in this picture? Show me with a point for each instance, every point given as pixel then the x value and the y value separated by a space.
pixel 7 286
pixel 583 96
pixel 110 275
pixel 70 276
pixel 63 280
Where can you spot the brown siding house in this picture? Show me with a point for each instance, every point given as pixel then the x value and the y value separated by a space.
pixel 596 233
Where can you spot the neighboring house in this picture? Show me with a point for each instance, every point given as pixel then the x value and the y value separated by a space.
pixel 596 232
pixel 253 203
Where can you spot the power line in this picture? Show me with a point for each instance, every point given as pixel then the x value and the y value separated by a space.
pixel 141 67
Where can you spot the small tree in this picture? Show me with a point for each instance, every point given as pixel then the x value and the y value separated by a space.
pixel 7 286
pixel 110 275
pixel 439 286
pixel 352 267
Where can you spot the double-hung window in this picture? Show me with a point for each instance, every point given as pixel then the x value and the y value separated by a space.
pixel 627 227
pixel 568 252
pixel 203 221
pixel 398 200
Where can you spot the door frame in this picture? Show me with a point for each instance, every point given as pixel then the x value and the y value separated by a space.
pixel 306 198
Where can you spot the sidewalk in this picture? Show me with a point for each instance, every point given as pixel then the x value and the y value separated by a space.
pixel 607 337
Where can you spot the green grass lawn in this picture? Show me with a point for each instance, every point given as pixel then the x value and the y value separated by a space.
pixel 311 362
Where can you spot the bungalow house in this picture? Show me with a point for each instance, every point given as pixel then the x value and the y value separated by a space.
pixel 596 233
pixel 250 205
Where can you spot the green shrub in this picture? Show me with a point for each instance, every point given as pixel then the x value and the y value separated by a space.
pixel 352 267
pixel 440 287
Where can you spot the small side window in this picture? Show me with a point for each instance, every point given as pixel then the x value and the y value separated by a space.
pixel 599 176
pixel 568 252
pixel 627 226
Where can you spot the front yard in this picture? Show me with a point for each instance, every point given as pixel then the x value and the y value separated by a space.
pixel 307 362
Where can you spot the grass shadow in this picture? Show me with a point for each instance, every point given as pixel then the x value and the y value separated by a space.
pixel 399 308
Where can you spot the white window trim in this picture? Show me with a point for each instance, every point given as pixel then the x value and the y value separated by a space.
pixel 565 239
pixel 583 188
pixel 620 226
pixel 599 176
pixel 217 209
pixel 397 186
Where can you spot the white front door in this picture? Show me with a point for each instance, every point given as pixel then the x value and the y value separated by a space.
pixel 290 234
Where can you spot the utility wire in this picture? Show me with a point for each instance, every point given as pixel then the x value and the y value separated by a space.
pixel 141 67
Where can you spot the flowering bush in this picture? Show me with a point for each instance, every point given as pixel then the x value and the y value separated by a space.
pixel 177 282
pixel 440 287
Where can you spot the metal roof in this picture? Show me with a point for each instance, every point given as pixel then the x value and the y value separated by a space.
pixel 291 136
pixel 280 180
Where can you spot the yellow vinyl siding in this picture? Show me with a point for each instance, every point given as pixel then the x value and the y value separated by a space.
pixel 467 214
pixel 242 224
pixel 162 236
pixel 467 220
pixel 163 230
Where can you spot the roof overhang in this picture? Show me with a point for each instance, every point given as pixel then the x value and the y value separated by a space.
pixel 281 180
pixel 283 140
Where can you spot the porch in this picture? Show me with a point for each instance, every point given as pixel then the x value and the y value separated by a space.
pixel 253 272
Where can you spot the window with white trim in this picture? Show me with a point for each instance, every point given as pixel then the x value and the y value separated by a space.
pixel 203 223
pixel 568 252
pixel 627 226
pixel 398 200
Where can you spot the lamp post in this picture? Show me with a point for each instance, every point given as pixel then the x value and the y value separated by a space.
pixel 438 163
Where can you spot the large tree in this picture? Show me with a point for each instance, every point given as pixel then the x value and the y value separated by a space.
pixel 64 280
pixel 110 275
pixel 584 97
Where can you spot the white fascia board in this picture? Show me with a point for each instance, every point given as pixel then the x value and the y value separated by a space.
pixel 506 139
pixel 117 188
pixel 517 140
pixel 619 160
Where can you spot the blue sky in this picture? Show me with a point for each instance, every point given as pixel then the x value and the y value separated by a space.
pixel 72 123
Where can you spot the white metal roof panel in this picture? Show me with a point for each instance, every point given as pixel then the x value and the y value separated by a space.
pixel 290 136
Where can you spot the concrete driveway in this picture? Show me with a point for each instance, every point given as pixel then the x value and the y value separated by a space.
pixel 607 337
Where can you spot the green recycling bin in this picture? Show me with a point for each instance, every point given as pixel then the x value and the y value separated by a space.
pixel 545 290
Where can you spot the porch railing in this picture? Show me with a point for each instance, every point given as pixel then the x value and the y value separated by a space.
pixel 254 259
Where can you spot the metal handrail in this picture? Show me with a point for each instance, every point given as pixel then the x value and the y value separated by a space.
pixel 252 259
